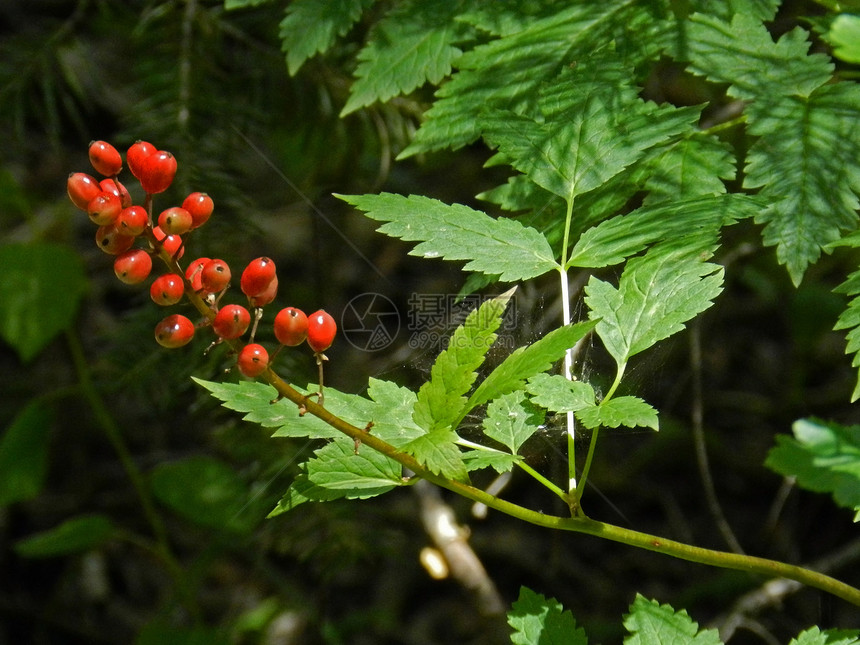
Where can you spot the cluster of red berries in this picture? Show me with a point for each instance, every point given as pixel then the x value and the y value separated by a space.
pixel 130 233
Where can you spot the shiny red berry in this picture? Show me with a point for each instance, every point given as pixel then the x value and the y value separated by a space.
pixel 200 205
pixel 268 294
pixel 321 331
pixel 157 172
pixel 115 186
pixel 132 220
pixel 111 240
pixel 257 276
pixel 253 360
pixel 231 321
pixel 104 208
pixel 174 331
pixel 133 266
pixel 105 158
pixel 215 276
pixel 175 220
pixel 139 151
pixel 194 273
pixel 82 188
pixel 167 289
pixel 291 326
pixel 171 243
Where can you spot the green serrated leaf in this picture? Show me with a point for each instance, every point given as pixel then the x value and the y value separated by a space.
pixel 525 362
pixel 441 399
pixel 651 623
pixel 511 419
pixel 538 620
pixel 799 166
pixel 743 54
pixel 814 636
pixel 556 393
pixel 301 490
pixel 656 295
pixel 392 412
pixel 24 453
pixel 310 27
pixel 695 222
pixel 850 319
pixel 500 247
pixel 40 292
pixel 72 536
pixel 628 411
pixel 411 45
pixel 589 127
pixel 688 168
pixel 824 457
pixel 844 35
pixel 438 451
pixel 206 491
pixel 501 462
pixel 339 465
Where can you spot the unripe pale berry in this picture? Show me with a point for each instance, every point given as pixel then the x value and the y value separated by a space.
pixel 253 360
pixel 175 220
pixel 174 331
pixel 167 289
pixel 81 188
pixel 291 326
pixel 215 276
pixel 133 266
pixel 321 331
pixel 257 276
pixel 157 172
pixel 105 158
pixel 231 321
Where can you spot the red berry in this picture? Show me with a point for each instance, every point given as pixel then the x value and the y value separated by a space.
pixel 111 240
pixel 114 186
pixel 194 271
pixel 200 205
pixel 253 360
pixel 157 172
pixel 264 298
pixel 175 221
pixel 215 276
pixel 257 276
pixel 174 331
pixel 132 220
pixel 231 321
pixel 167 289
pixel 104 208
pixel 105 158
pixel 321 331
pixel 139 151
pixel 82 188
pixel 291 326
pixel 171 243
pixel 133 266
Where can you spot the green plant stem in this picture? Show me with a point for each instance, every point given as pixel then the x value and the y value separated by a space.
pixel 110 428
pixel 579 524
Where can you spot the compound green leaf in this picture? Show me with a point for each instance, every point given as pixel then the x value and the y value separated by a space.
pixel 743 54
pixel 628 411
pixel 844 35
pixel 688 168
pixel 410 46
pixel 339 465
pixel 695 222
pixel 799 165
pixel 656 295
pixel 41 289
pixel 438 451
pixel 311 27
pixel 651 623
pixel 501 462
pixel 497 247
pixel 556 393
pixel 525 362
pixel 538 620
pixel 441 399
pixel 72 536
pixel 824 457
pixel 511 420
pixel 814 636
pixel 850 318
pixel 24 453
